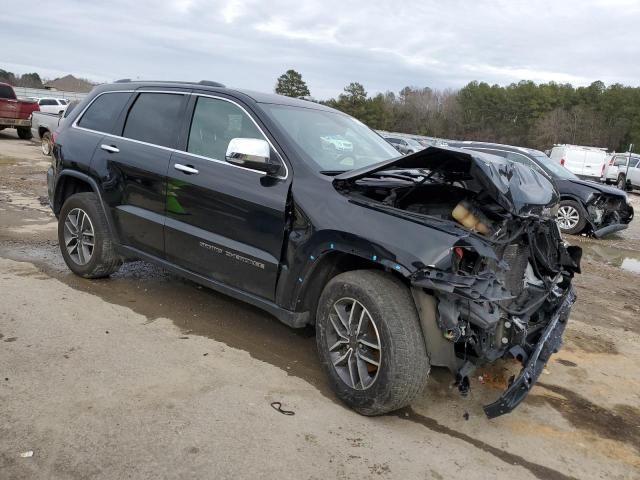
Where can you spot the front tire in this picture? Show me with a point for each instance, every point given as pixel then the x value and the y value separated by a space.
pixel 571 217
pixel 622 183
pixel 24 133
pixel 85 239
pixel 370 342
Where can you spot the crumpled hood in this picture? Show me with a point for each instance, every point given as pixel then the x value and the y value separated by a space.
pixel 599 187
pixel 517 188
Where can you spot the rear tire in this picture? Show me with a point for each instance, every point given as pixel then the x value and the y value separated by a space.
pixel 571 218
pixel 369 308
pixel 46 144
pixel 24 133
pixel 82 224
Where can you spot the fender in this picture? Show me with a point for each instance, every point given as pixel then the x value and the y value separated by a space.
pixel 309 261
pixel 94 187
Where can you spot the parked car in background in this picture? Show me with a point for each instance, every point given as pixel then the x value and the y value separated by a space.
pixel 16 113
pixel 52 105
pixel 622 170
pixel 585 206
pixel 584 162
pixel 43 126
pixel 336 142
pixel 404 145
pixel 398 269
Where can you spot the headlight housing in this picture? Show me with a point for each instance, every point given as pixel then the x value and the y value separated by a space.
pixel 550 213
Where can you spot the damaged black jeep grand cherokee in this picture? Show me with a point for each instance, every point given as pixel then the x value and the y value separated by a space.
pixel 444 257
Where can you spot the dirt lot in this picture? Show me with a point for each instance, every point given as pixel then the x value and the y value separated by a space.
pixel 146 375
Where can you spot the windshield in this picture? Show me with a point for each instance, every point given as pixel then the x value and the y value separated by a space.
pixel 332 141
pixel 552 168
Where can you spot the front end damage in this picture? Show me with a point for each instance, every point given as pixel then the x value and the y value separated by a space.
pixel 513 306
pixel 608 213
pixel 502 288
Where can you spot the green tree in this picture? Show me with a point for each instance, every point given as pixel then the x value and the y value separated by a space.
pixel 354 93
pixel 292 85
pixel 31 80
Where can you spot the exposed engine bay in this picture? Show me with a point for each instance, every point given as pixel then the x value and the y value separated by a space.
pixel 504 288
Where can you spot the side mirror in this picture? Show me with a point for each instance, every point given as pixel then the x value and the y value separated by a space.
pixel 252 153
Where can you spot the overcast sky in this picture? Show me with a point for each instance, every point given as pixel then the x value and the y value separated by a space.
pixel 383 45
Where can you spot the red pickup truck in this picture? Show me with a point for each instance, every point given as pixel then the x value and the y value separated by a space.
pixel 16 113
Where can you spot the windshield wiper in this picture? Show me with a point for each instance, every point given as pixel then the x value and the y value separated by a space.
pixel 332 173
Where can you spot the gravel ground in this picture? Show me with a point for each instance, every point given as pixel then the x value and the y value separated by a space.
pixel 148 375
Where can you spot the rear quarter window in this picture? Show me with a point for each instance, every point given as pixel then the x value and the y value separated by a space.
pixel 103 112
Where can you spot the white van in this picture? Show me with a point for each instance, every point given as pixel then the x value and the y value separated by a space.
pixel 585 162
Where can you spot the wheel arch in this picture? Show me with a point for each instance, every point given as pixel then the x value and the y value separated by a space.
pixel 71 182
pixel 582 205
pixel 329 265
pixel 42 130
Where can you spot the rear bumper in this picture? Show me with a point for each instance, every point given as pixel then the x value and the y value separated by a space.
pixel 549 343
pixel 15 122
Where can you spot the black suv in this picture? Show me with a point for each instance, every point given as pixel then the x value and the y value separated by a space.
pixel 585 206
pixel 444 257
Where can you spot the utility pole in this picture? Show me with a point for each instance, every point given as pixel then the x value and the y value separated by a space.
pixel 626 174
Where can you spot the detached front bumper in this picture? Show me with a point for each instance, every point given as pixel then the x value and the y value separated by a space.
pixel 620 221
pixel 548 344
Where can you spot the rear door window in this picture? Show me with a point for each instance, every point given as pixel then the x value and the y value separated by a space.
pixel 155 118
pixel 215 122
pixel 7 92
pixel 103 111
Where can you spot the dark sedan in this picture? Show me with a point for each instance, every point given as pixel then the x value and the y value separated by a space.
pixel 585 207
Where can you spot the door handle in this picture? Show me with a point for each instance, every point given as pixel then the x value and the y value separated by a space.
pixel 109 148
pixel 186 169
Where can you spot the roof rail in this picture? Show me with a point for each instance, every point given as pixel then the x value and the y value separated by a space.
pixel 209 83
pixel 123 80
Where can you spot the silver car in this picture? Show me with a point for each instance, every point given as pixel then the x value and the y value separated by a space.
pixel 622 170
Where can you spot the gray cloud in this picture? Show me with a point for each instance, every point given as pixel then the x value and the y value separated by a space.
pixel 384 45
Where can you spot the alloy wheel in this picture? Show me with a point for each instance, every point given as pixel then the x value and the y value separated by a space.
pixel 354 344
pixel 568 217
pixel 79 236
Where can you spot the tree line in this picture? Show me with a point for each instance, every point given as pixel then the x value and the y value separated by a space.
pixel 29 80
pixel 524 113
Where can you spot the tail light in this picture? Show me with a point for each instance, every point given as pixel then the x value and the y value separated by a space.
pixel 603 167
pixel 562 162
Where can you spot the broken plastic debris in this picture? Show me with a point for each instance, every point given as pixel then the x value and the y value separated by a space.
pixel 27 454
